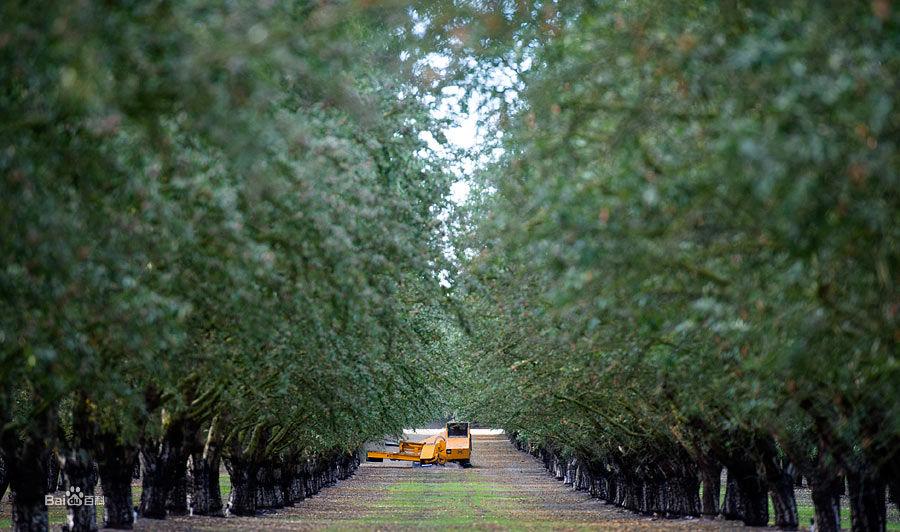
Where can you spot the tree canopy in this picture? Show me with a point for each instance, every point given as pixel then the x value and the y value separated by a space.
pixel 228 236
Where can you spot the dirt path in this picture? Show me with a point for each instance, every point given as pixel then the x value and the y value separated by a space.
pixel 504 489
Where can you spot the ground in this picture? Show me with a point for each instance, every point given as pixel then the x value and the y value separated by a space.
pixel 505 489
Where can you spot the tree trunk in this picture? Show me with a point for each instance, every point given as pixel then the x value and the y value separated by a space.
pixel 631 495
pixel 117 464
pixel 4 477
pixel 893 491
pixel 162 469
pixel 243 485
pixel 206 497
pixel 868 509
pixel 81 477
pixel 277 491
pixel 711 478
pixel 154 493
pixel 619 499
pixel 610 488
pixel 755 498
pixel 29 516
pixel 683 495
pixel 176 502
pixel 781 486
pixel 215 492
pixel 826 497
pixel 655 496
pixel 298 484
pixel 52 473
pixel 783 501
pixel 733 507
pixel 287 481
pixel 264 491
pixel 27 460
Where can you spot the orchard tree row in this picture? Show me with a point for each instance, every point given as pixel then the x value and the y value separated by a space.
pixel 687 256
pixel 220 244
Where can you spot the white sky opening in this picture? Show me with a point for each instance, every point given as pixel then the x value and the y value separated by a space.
pixel 472 116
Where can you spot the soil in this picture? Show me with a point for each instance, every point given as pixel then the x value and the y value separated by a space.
pixel 504 489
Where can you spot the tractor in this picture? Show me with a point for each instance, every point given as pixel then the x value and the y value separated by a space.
pixel 452 444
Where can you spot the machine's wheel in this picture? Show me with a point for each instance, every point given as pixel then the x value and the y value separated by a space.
pixel 465 463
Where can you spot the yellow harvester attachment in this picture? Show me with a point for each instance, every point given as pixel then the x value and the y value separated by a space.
pixel 453 444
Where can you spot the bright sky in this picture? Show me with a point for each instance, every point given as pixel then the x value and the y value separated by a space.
pixel 465 133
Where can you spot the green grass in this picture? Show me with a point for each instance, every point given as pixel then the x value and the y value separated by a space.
pixel 455 504
pixel 224 486
pixel 461 503
pixel 806 512
pixel 58 514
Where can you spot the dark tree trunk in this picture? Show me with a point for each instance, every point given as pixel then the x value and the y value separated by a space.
pixel 611 488
pixel 631 495
pixel 154 492
pixel 755 498
pixel 711 478
pixel 783 501
pixel 117 463
pixel 264 488
pixel 162 469
pixel 27 460
pixel 183 441
pixel 52 473
pixel 4 477
pixel 287 481
pixel 81 474
pixel 277 491
pixel 300 483
pixel 29 516
pixel 826 497
pixel 781 486
pixel 868 509
pixel 243 485
pixel 618 497
pixel 683 495
pixel 206 497
pixel 78 469
pixel 733 507
pixel 794 472
pixel 216 507
pixel 655 496
pixel 176 502
pixel 893 491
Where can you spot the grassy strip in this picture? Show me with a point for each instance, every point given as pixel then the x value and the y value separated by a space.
pixel 463 503
pixel 805 513
pixel 58 515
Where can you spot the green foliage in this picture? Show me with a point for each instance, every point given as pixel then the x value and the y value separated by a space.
pixel 226 215
pixel 692 234
pixel 215 212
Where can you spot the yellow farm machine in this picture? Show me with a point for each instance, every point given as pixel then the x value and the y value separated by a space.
pixel 452 444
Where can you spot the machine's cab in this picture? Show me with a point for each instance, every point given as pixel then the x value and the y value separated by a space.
pixel 457 430
pixel 459 443
pixel 453 444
